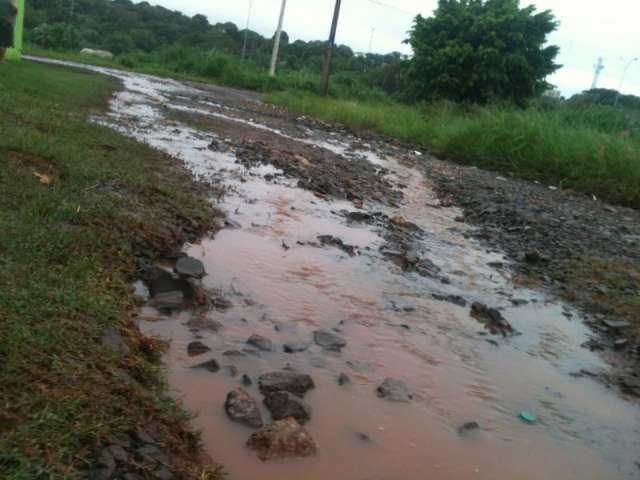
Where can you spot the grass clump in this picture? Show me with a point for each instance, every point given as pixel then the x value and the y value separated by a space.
pixel 77 202
pixel 594 150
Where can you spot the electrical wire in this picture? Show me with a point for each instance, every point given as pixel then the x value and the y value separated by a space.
pixel 386 5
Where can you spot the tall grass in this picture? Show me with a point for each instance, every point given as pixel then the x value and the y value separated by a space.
pixel 591 150
pixel 212 66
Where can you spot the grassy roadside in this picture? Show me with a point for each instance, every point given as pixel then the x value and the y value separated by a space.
pixel 77 205
pixel 216 68
pixel 581 150
pixel 158 70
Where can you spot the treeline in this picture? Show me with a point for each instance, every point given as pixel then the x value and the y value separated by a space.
pixel 140 33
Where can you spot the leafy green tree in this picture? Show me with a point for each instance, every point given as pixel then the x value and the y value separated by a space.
pixel 58 36
pixel 481 51
pixel 118 42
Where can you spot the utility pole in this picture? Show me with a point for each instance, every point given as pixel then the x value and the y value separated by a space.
pixel 324 83
pixel 624 74
pixel 597 70
pixel 373 32
pixel 246 32
pixel 276 43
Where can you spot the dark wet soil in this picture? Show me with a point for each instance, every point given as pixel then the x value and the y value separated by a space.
pixel 573 246
pixel 576 247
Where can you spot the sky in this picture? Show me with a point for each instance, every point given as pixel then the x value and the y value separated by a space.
pixel 589 29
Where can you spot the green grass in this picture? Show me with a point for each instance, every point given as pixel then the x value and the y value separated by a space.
pixel 592 150
pixel 221 69
pixel 76 202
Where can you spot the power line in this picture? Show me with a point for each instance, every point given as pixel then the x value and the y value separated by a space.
pixel 393 7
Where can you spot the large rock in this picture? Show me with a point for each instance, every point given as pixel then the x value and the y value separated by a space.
pixel 296 346
pixel 261 343
pixel 169 300
pixel 492 319
pixel 285 381
pixel 394 390
pixel 329 340
pixel 284 438
pixel 210 365
pixel 197 348
pixel 284 404
pixel 242 408
pixel 167 292
pixel 190 267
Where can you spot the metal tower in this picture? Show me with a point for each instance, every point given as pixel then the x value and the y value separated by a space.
pixel 597 70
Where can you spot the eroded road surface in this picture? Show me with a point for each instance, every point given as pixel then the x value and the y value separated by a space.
pixel 327 232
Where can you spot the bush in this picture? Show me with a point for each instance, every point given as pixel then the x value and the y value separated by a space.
pixel 213 65
pixel 59 36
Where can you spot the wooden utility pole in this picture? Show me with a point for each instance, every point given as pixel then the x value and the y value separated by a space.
pixel 276 43
pixel 326 72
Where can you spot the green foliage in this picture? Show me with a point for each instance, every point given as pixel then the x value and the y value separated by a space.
pixel 67 256
pixel 56 36
pixel 603 96
pixel 152 37
pixel 481 51
pixel 572 148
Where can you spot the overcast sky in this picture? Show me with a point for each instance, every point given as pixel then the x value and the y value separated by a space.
pixel 588 29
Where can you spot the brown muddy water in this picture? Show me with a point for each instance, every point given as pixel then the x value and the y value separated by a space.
pixel 394 328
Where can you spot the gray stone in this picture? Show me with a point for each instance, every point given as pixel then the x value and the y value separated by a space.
pixel 210 365
pixel 343 379
pixel 621 344
pixel 363 437
pixel 112 339
pixel 455 299
pixel 329 340
pixel 231 370
pixel 234 353
pixel 197 348
pixel 141 437
pixel 152 454
pixel 131 476
pixel 261 343
pixel 394 390
pixel 246 380
pixel 287 381
pixel 284 404
pixel 163 474
pixel 616 324
pixel 190 267
pixel 284 438
pixel 119 454
pixel 318 362
pixel 204 323
pixel 104 467
pixel 242 408
pixel 468 427
pixel 296 346
pixel 169 300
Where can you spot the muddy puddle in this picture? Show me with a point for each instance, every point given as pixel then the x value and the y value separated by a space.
pixel 284 284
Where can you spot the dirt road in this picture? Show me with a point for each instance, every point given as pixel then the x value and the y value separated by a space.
pixel 359 239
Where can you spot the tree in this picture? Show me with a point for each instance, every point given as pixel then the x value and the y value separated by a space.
pixel 481 51
pixel 58 36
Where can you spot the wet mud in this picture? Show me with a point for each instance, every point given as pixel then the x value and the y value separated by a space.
pixel 329 232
